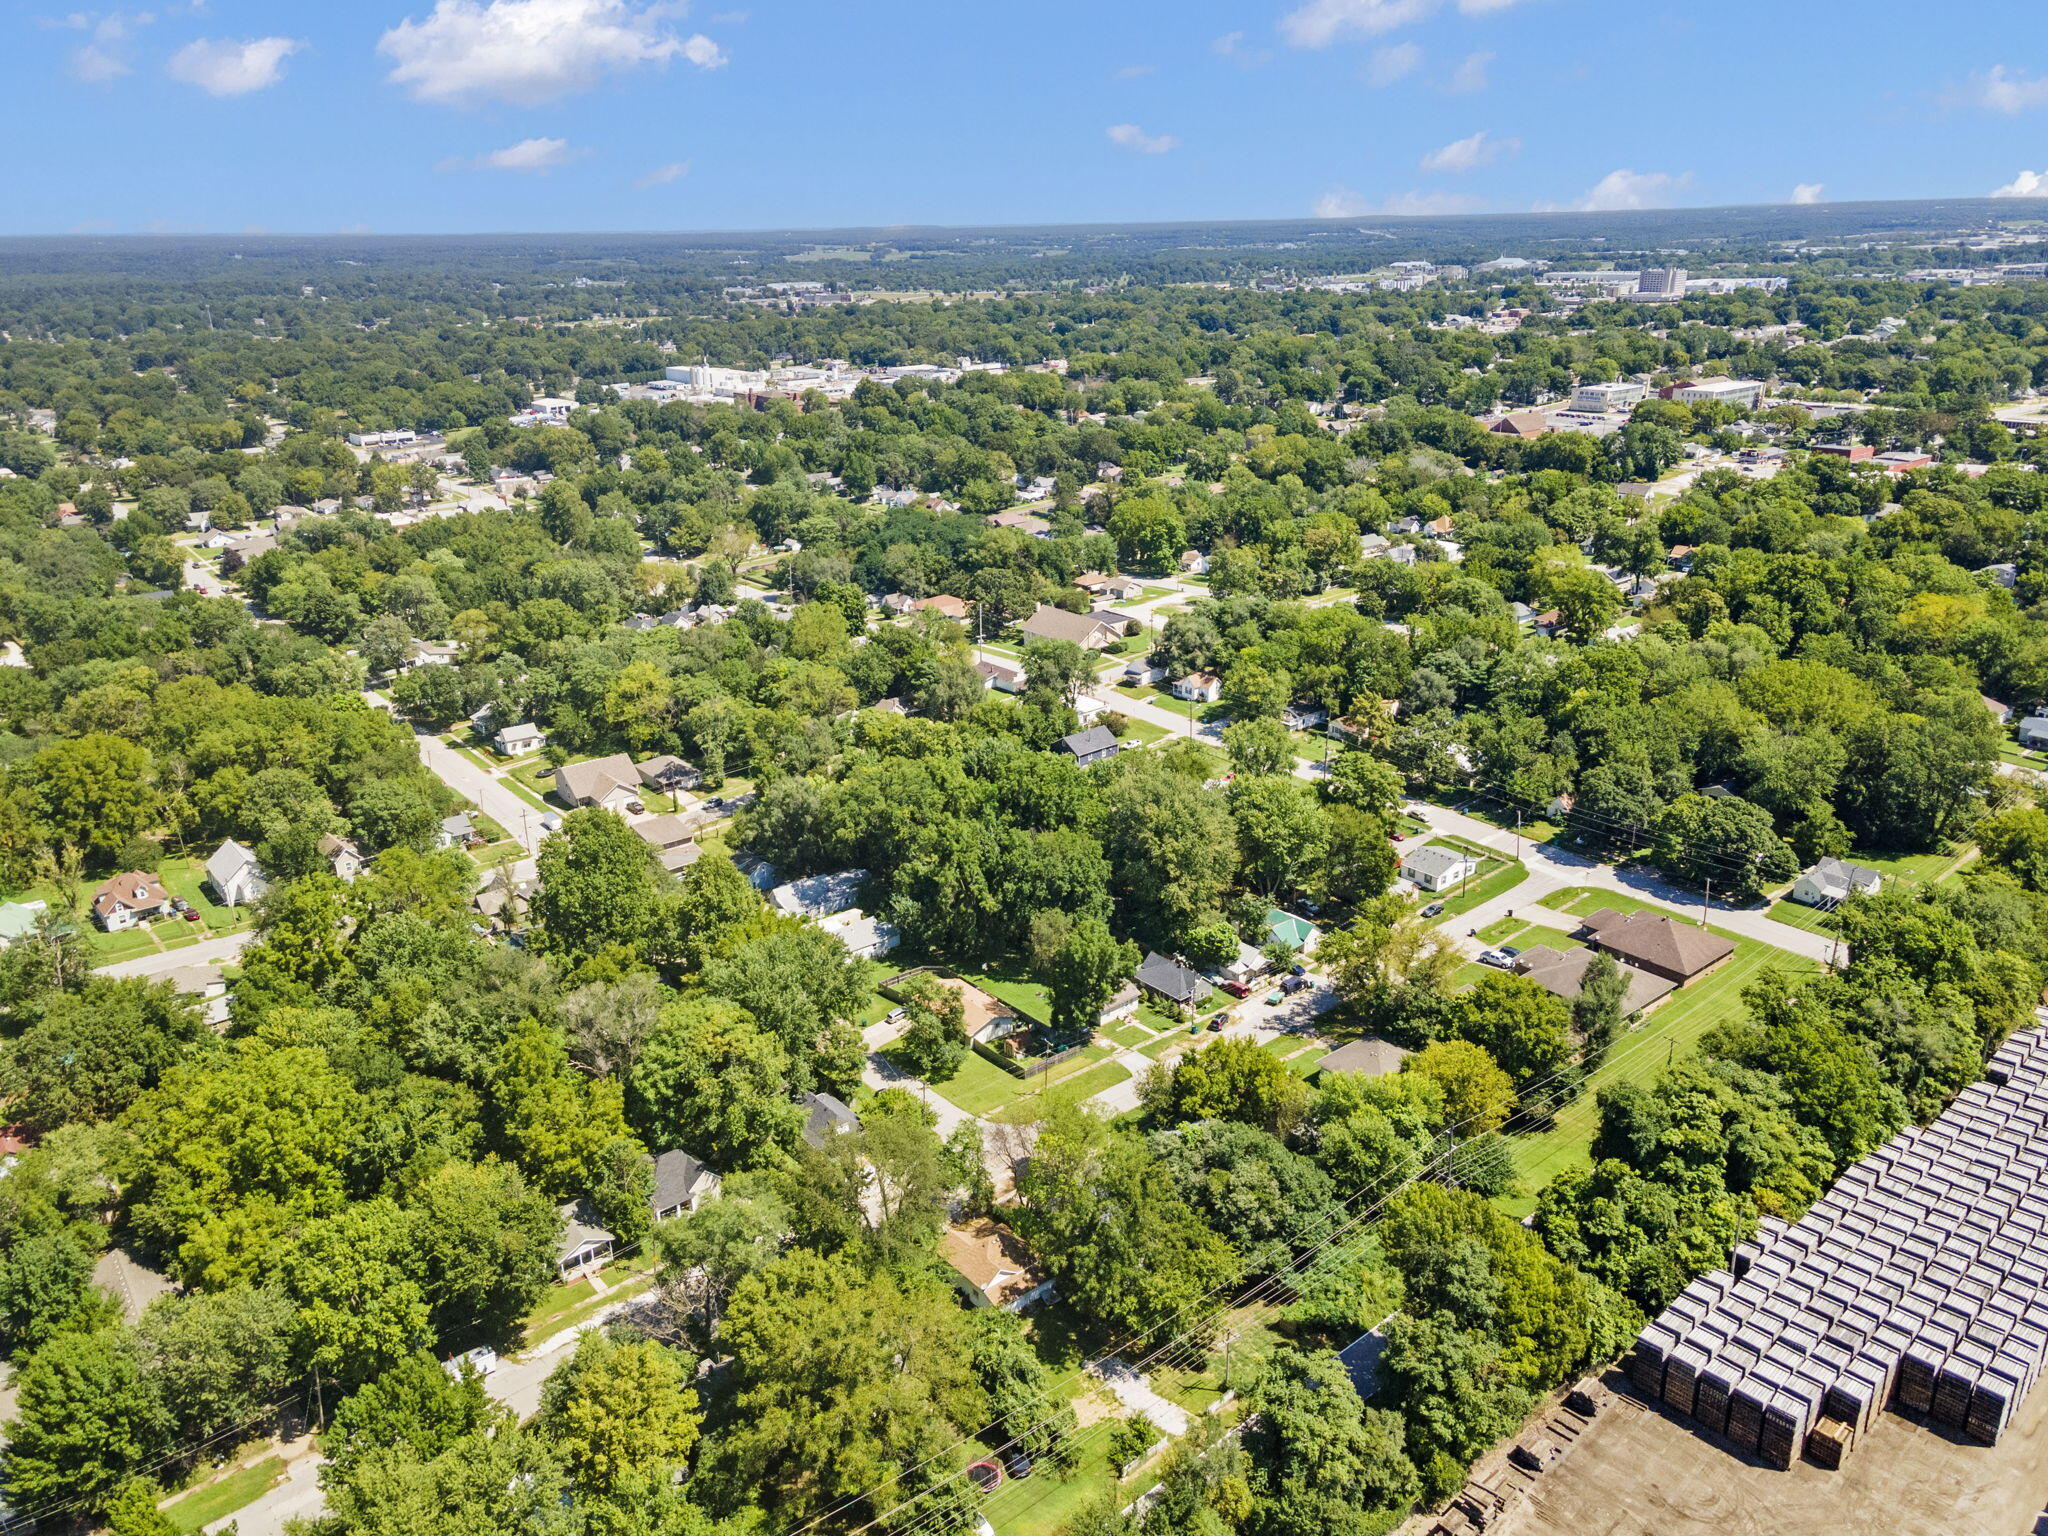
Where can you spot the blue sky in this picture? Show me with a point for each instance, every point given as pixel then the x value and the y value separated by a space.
pixel 399 116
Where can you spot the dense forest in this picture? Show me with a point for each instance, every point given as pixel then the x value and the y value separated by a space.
pixel 361 1170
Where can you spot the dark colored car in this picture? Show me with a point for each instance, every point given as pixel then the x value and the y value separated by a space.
pixel 1236 988
pixel 1293 984
pixel 1432 909
pixel 1017 1466
pixel 1218 1020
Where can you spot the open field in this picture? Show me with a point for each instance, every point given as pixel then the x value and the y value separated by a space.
pixel 224 1495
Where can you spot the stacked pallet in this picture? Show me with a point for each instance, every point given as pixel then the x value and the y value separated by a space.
pixel 1919 1278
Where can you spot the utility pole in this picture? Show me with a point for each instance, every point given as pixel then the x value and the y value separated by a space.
pixel 1518 836
pixel 1705 899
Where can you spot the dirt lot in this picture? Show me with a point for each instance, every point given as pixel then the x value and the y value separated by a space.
pixel 1638 1471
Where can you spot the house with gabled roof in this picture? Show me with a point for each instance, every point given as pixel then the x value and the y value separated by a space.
pixel 237 879
pixel 128 901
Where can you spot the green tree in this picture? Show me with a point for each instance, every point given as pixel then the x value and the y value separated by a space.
pixel 1726 841
pixel 1317 1455
pixel 597 889
pixel 934 1040
pixel 1522 1027
pixel 86 1420
pixel 712 1082
pixel 350 1276
pixel 415 1408
pixel 486 1245
pixel 622 1415
pixel 1258 747
pixel 1477 1096
pixel 1228 1079
pixel 1084 972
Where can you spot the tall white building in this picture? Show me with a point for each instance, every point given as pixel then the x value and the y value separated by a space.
pixel 1659 283
pixel 1607 397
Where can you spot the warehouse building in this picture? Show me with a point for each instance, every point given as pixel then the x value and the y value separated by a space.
pixel 1916 1282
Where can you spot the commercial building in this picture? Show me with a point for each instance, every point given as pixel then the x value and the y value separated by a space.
pixel 1740 393
pixel 1602 398
pixel 1652 942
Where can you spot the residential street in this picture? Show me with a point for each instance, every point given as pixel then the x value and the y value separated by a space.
pixel 519 819
pixel 205 952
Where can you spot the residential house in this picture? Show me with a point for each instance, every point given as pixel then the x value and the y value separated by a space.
pixel 342 856
pixel 128 901
pixel 1304 717
pixel 1549 625
pixel 1193 563
pixel 1000 675
pixel 1439 528
pixel 826 1116
pixel 18 919
pixel 1374 546
pixel 986 1018
pixel 457 831
pixel 1170 980
pixel 1090 746
pixel 1368 1054
pixel 944 606
pixel 668 774
pixel 1144 670
pixel 206 983
pixel 1562 973
pixel 1199 688
pixel 1438 866
pixel 1248 965
pixel 2002 713
pixel 237 879
pixel 1027 523
pixel 1652 942
pixel 2033 730
pixel 992 1267
pixel 1122 1004
pixel 673 839
pixel 681 1185
pixel 518 740
pixel 1091 631
pixel 585 1242
pixel 2005 573
pixel 1835 880
pixel 868 938
pixel 1524 614
pixel 611 782
pixel 819 895
pixel 1297 933
pixel 1116 589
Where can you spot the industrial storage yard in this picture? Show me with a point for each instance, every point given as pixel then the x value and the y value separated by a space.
pixel 1644 1471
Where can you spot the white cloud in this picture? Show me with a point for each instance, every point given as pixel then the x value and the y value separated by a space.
pixel 1131 136
pixel 1469 153
pixel 527 51
pixel 534 157
pixel 1470 75
pixel 1631 189
pixel 1231 46
pixel 221 67
pixel 2006 91
pixel 1391 62
pixel 1319 23
pixel 1343 203
pixel 662 175
pixel 1807 192
pixel 105 57
pixel 2026 184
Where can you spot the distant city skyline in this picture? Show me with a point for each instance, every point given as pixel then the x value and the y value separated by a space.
pixel 420 116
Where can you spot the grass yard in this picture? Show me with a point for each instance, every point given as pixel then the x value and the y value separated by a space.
pixel 1133 1036
pixel 490 762
pixel 1667 1032
pixel 220 1498
pixel 982 1088
pixel 1067 1090
pixel 1498 876
pixel 565 1306
pixel 1797 914
pixel 1512 930
pixel 1142 731
pixel 2020 757
pixel 1918 868
pixel 1027 997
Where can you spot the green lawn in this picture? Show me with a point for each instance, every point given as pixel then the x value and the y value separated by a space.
pixel 1129 1034
pixel 1798 914
pixel 2020 757
pixel 224 1495
pixel 1067 1090
pixel 1142 730
pixel 1498 875
pixel 564 1306
pixel 1919 868
pixel 1667 1032
pixel 1167 701
pixel 982 1088
pixel 1512 930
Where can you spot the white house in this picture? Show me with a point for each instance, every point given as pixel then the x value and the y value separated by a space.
pixel 868 938
pixel 342 856
pixel 1834 880
pixel 1144 670
pixel 2034 729
pixel 1199 688
pixel 456 830
pixel 126 901
pixel 1437 866
pixel 518 740
pixel 237 879
pixel 1194 563
pixel 819 895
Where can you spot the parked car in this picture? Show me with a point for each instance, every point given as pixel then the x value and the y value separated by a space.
pixel 190 914
pixel 1398 837
pixel 483 1360
pixel 1494 957
pixel 1433 909
pixel 1236 989
pixel 1293 984
pixel 1218 1020
pixel 1273 999
pixel 1018 1465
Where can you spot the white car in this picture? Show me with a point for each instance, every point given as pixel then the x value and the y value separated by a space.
pixel 1496 957
pixel 483 1360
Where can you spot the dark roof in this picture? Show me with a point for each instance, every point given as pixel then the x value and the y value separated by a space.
pixel 1371 1055
pixel 1659 942
pixel 1170 978
pixel 827 1116
pixel 1563 973
pixel 1361 1359
pixel 677 1176
pixel 1096 738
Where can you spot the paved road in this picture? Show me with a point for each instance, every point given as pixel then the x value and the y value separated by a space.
pixel 487 793
pixel 205 952
pixel 1550 869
